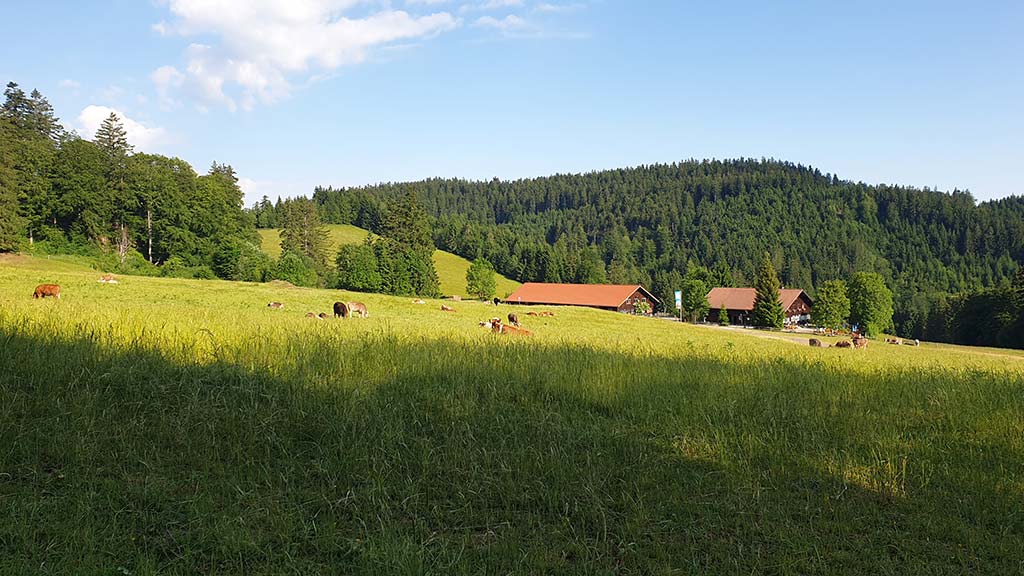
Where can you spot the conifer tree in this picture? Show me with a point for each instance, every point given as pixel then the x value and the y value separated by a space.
pixel 302 232
pixel 723 316
pixel 10 220
pixel 768 312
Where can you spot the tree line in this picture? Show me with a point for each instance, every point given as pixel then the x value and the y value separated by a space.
pixel 142 213
pixel 656 224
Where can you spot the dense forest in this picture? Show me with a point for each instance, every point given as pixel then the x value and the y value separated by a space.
pixel 134 212
pixel 938 252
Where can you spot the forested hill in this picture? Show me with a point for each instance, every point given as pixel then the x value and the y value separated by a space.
pixel 649 223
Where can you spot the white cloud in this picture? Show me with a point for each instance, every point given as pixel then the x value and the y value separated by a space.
pixel 506 25
pixel 557 8
pixel 69 84
pixel 139 135
pixel 263 44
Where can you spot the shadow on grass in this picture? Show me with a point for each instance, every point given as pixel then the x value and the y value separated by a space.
pixel 388 456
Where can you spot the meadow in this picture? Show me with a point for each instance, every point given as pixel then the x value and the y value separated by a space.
pixel 180 426
pixel 451 268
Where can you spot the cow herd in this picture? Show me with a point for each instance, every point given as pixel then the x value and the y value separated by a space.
pixel 341 310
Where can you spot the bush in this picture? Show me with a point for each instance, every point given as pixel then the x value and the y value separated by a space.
pixel 299 270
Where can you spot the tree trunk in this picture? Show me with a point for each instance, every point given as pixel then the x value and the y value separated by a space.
pixel 149 230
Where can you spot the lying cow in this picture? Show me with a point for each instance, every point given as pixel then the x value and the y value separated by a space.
pixel 107 279
pixel 445 308
pixel 419 301
pixel 859 341
pixel 498 328
pixel 44 290
pixel 815 343
pixel 844 344
pixel 276 305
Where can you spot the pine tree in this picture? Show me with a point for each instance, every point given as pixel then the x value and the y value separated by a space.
pixel 112 138
pixel 723 316
pixel 17 107
pixel 302 232
pixel 42 119
pixel 11 223
pixel 411 250
pixel 768 312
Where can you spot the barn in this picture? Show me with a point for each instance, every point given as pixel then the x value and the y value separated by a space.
pixel 739 302
pixel 616 297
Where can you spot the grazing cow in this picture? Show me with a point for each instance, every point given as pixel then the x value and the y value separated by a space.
pixel 815 343
pixel 107 279
pixel 513 319
pixel 340 310
pixel 358 309
pixel 44 290
pixel 859 341
pixel 844 344
pixel 445 308
pixel 276 305
pixel 497 300
pixel 498 328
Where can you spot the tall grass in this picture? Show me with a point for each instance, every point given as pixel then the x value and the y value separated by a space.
pixel 180 426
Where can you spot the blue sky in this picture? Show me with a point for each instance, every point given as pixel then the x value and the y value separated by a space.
pixel 296 93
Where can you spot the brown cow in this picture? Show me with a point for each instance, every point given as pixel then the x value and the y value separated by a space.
pixel 844 344
pixel 498 328
pixel 107 279
pixel 310 314
pixel 358 309
pixel 340 310
pixel 445 308
pixel 322 316
pixel 815 343
pixel 44 290
pixel 513 319
pixel 859 341
pixel 275 305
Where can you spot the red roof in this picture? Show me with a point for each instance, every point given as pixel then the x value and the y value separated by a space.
pixel 597 295
pixel 743 298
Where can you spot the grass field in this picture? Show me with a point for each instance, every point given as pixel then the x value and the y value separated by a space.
pixel 178 426
pixel 451 269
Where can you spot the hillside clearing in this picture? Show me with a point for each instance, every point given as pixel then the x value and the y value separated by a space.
pixel 451 269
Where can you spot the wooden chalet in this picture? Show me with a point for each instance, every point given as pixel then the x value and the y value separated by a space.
pixel 739 303
pixel 617 297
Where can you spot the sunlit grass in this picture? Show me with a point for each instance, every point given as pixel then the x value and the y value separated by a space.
pixel 164 425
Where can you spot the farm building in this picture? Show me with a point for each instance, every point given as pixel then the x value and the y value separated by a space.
pixel 739 302
pixel 617 297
